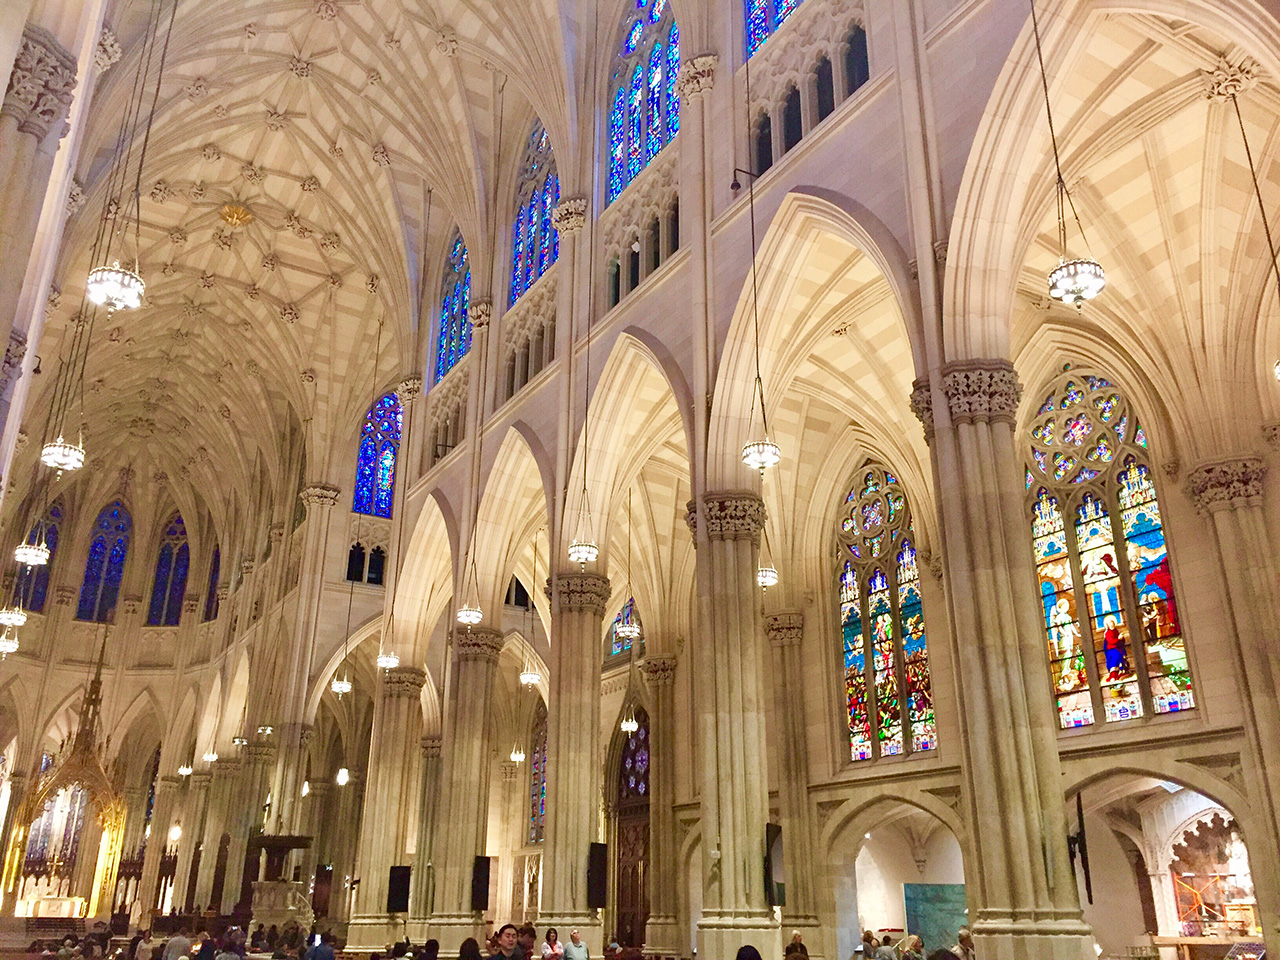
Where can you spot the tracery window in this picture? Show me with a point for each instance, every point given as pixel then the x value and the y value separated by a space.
pixel 104 568
pixel 455 306
pixel 644 112
pixel 173 562
pixel 535 243
pixel 376 457
pixel 538 777
pixel 211 597
pixel 1115 640
pixel 633 772
pixel 888 695
pixel 33 582
pixel 764 17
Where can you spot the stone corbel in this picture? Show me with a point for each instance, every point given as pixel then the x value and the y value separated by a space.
pixel 697 75
pixel 1226 484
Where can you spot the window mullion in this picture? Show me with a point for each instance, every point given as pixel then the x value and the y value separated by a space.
pixel 1137 639
pixel 868 664
pixel 1084 618
pixel 900 664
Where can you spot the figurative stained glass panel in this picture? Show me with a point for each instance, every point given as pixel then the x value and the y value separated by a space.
pixel 884 665
pixel 617 143
pixel 33 582
pixel 1058 602
pixel 1106 615
pixel 633 767
pixel 855 665
pixel 538 778
pixel 169 585
pixel 454 335
pixel 673 73
pixel 635 113
pixel 915 653
pixel 104 568
pixel 653 103
pixel 376 457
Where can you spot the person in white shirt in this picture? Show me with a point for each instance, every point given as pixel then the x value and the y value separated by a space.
pixel 178 946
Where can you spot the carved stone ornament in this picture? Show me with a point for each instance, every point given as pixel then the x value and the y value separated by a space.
pixel 785 629
pixel 481 311
pixel 447 44
pixel 132 604
pixel 922 406
pixel 583 591
pixel 659 671
pixel 479 644
pixel 1228 80
pixel 64 595
pixel 431 747
pixel 570 214
pixel 1226 484
pixel 697 75
pixel 12 363
pixel 41 84
pixel 981 390
pixel 107 52
pixel 75 197
pixel 404 682
pixel 1271 433
pixel 733 516
pixel 381 155
pixel 410 388
pixel 299 68
pixel 319 495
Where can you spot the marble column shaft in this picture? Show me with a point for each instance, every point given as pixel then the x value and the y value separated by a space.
pixel 573 749
pixel 221 788
pixel 15 837
pixel 662 933
pixel 421 890
pixel 193 816
pixel 162 815
pixel 344 846
pixel 244 813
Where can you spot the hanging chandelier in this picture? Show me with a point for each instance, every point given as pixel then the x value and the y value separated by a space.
pixel 61 455
pixel 1075 279
pixel 583 551
pixel 115 287
pixel 13 616
pixel 470 615
pixel 210 756
pixel 8 643
pixel 343 777
pixel 529 676
pixel 240 740
pixel 517 754
pixel 767 575
pixel 761 454
pixel 388 661
pixel 628 629
pixel 629 723
pixel 340 686
pixel 32 554
pixel 185 770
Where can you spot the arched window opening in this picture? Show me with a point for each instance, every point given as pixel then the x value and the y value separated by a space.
pixel 104 567
pixel 792 120
pixel 655 245
pixel 857 69
pixel 633 770
pixel 764 144
pixel 355 563
pixel 535 243
pixel 538 777
pixel 644 106
pixel 376 457
pixel 673 227
pixel 1115 639
pixel 173 562
pixel 377 566
pixel 455 306
pixel 615 283
pixel 53 844
pixel 517 595
pixel 33 582
pixel 633 266
pixel 888 694
pixel 825 88
pixel 211 597
pixel 763 17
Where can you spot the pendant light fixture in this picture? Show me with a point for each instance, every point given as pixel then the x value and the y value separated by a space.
pixel 629 722
pixel 387 659
pixel 583 548
pixel 210 756
pixel 628 628
pixel 342 686
pixel 1075 279
pixel 529 676
pixel 185 770
pixel 8 642
pixel 517 754
pixel 766 572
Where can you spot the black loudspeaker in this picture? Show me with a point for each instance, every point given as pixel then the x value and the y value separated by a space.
pixel 480 884
pixel 598 875
pixel 398 889
pixel 774 889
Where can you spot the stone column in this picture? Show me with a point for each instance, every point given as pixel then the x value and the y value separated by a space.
pixel 731 728
pixel 15 843
pixel 422 889
pixel 786 635
pixel 193 816
pixel 1230 493
pixel 573 752
pixel 244 815
pixel 392 793
pixel 1023 887
pixel 135 802
pixel 464 786
pixel 315 826
pixel 222 786
pixel 662 934
pixel 162 817
pixel 293 731
pixel 511 809
pixel 344 846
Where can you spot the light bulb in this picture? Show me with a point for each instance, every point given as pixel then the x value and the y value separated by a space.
pixel 517 755
pixel 340 686
pixel 1075 281
pixel 469 615
pixel 32 554
pixel 306 787
pixel 767 576
pixel 210 756
pixel 583 552
pixel 12 616
pixel 761 454
pixel 8 643
pixel 185 770
pixel 629 723
pixel 343 777
pixel 115 287
pixel 175 833
pixel 240 740
pixel 62 455
pixel 388 661
pixel 530 677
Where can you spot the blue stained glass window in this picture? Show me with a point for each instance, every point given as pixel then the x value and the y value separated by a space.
pixel 544 240
pixel 455 305
pixel 645 107
pixel 518 253
pixel 33 582
pixel 376 458
pixel 633 767
pixel 763 17
pixel 104 568
pixel 170 584
pixel 211 598
pixel 538 777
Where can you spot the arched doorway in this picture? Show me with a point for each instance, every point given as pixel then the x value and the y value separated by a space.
pixel 631 834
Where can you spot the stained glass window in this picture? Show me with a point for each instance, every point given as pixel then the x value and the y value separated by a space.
pixel 104 568
pixel 211 597
pixel 455 304
pixel 538 777
pixel 173 562
pixel 645 107
pixel 763 17
pixel 633 770
pixel 534 242
pixel 376 457
pixel 1115 642
pixel 33 582
pixel 888 694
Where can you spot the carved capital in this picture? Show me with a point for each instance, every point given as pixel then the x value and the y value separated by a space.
pixel 319 495
pixel 659 671
pixel 1227 484
pixel 200 780
pixel 922 406
pixel 259 752
pixel 107 52
pixel 733 516
pixel 1271 433
pixel 410 389
pixel 246 566
pixel 697 75
pixel 785 629
pixel 41 84
pixel 480 312
pixel 570 214
pixel 404 682
pixel 478 643
pixel 981 390
pixel 1228 80
pixel 583 591
pixel 431 747
pixel 275 532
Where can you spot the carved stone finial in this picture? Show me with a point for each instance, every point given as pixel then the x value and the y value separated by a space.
pixel 570 214
pixel 319 495
pixel 583 591
pixel 480 312
pixel 981 390
pixel 659 671
pixel 922 406
pixel 1227 484
pixel 410 388
pixel 478 643
pixel 1228 80
pixel 697 75
pixel 107 52
pixel 404 682
pixel 733 516
pixel 785 629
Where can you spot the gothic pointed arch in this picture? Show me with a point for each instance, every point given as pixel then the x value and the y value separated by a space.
pixel 33 582
pixel 643 105
pixel 169 585
pixel 535 242
pixel 376 457
pixel 104 566
pixel 453 337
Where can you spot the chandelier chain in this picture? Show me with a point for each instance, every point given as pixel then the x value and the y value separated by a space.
pixel 1257 192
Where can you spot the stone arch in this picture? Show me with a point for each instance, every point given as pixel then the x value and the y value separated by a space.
pixel 424 585
pixel 369 630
